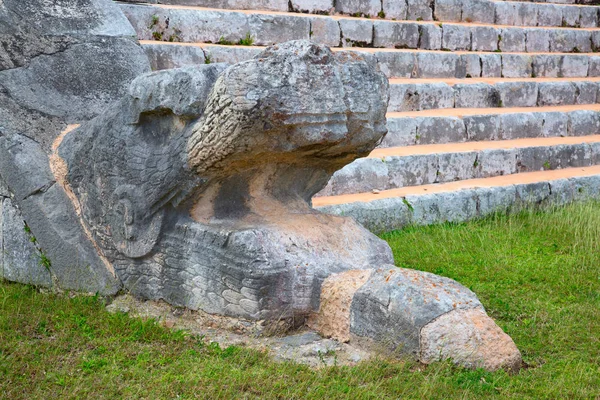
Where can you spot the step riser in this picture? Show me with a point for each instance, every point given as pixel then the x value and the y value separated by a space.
pixel 393 172
pixel 404 64
pixel 467 204
pixel 197 25
pixel 427 96
pixel 408 131
pixel 471 11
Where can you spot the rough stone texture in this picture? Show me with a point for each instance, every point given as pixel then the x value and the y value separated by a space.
pixel 480 11
pixel 19 258
pixel 430 37
pixel 395 35
pixel 549 15
pixel 325 31
pixel 197 25
pixel 456 37
pixel 516 65
pixel 395 9
pixel 491 65
pixel 448 10
pixel 269 5
pixel 547 65
pixel 538 40
pixel 517 94
pixel 394 305
pixel 333 318
pixel 87 54
pixel 419 10
pixel 311 6
pixel 364 7
pixel 182 221
pixel 165 56
pixel 512 39
pixel 425 96
pixel 484 38
pixel 471 337
pixel 476 95
pixel 356 32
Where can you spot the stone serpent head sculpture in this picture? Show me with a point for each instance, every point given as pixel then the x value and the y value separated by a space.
pixel 196 187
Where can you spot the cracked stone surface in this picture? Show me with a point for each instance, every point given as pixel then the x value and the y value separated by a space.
pixel 87 54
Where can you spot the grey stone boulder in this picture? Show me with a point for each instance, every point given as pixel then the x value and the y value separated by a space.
pixel 429 317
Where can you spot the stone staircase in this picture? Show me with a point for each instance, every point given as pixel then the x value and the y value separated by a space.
pixel 493 104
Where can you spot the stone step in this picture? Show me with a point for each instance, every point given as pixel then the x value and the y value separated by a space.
pixel 424 94
pixel 396 167
pixel 400 63
pixel 195 24
pixel 464 200
pixel 489 124
pixel 469 11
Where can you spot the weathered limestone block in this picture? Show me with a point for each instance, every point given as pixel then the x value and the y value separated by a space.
pixel 472 63
pixel 583 122
pixel 538 40
pixel 520 125
pixel 398 65
pixel 588 17
pixel 411 170
pixel 484 38
pixel 325 31
pixel 395 9
pixel 456 37
pixel 547 65
pixel 419 10
pixel 586 92
pixel 517 94
pixel 554 124
pixel 516 65
pixel 476 95
pixel 401 132
pixel 512 39
pixel 362 7
pixel 430 37
pixel 495 162
pixel 416 97
pixel 482 127
pixel 556 93
pixel 356 32
pixel 363 175
pixel 491 65
pixel 456 166
pixel 573 65
pixel 506 13
pixel 549 15
pixel 440 130
pixel 395 35
pixel 449 10
pixel 562 40
pixel 436 65
pixel 570 16
pixel 164 56
pixel 480 11
pixel 312 6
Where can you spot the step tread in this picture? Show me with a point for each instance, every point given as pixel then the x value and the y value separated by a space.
pixel 461 112
pixel 370 49
pixel 482 145
pixel 342 17
pixel 505 180
pixel 489 81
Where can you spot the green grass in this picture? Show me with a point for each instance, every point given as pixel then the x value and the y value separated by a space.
pixel 538 275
